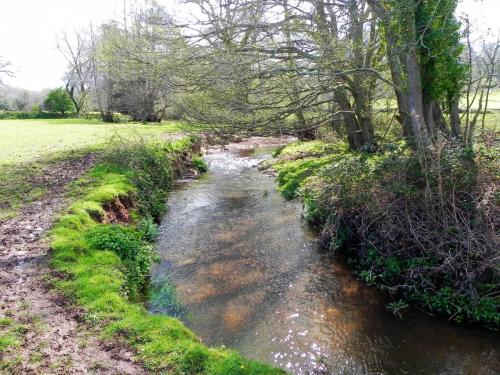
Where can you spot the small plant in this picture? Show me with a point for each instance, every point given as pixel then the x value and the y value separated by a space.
pixel 136 255
pixel 397 308
pixel 368 277
pixel 200 164
pixel 148 229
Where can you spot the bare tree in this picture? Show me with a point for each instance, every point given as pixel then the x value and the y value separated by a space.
pixel 5 70
pixel 137 62
pixel 79 78
pixel 491 61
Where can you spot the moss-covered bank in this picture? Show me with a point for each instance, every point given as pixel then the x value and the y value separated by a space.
pixel 102 250
pixel 423 227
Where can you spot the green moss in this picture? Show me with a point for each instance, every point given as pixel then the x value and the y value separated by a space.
pixel 98 273
pixel 308 149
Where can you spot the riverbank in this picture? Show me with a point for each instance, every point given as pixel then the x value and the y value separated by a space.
pixel 103 250
pixel 426 235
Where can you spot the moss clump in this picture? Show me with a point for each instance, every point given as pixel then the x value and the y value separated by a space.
pixel 104 262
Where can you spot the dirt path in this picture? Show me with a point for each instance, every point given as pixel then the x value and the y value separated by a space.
pixel 56 340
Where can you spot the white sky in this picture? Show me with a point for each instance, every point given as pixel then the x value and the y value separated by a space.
pixel 28 31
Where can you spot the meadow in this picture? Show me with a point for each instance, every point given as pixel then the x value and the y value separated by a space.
pixel 28 140
pixel 31 150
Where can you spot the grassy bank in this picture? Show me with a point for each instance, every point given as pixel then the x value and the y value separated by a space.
pixel 422 227
pixel 31 148
pixel 102 247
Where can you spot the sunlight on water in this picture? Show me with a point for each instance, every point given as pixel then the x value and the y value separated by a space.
pixel 251 277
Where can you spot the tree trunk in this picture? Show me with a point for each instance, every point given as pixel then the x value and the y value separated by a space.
pixel 414 90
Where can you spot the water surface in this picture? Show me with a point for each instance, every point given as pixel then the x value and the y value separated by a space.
pixel 251 277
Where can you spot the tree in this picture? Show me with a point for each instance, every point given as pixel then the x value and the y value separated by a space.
pixel 423 49
pixel 78 51
pixel 137 60
pixel 4 69
pixel 58 100
pixel 22 101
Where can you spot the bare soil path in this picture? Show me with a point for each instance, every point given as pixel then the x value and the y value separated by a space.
pixel 56 339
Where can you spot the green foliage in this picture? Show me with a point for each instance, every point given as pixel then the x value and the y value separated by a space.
pixel 400 215
pixel 150 170
pixel 34 114
pixel 300 150
pixel 115 117
pixel 443 74
pixel 397 308
pixel 148 229
pixel 58 100
pixel 136 255
pixel 200 164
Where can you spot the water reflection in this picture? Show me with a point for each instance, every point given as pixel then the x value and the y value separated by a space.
pixel 251 277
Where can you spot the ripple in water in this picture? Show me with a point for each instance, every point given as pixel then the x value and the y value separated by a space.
pixel 250 277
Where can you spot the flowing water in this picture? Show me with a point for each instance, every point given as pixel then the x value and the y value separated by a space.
pixel 251 277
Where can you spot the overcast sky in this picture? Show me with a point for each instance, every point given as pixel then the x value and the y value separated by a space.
pixel 28 31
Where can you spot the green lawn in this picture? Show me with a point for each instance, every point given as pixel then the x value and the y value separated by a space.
pixel 28 140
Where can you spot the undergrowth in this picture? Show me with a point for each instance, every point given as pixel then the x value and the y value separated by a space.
pixel 422 226
pixel 106 265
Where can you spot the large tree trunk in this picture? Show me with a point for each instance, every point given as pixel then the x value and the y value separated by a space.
pixel 396 67
pixel 362 105
pixel 354 133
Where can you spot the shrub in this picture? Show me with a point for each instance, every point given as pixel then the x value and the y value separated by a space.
pixel 422 225
pixel 137 256
pixel 149 168
pixel 148 229
pixel 116 117
pixel 200 164
pixel 13 115
pixel 58 100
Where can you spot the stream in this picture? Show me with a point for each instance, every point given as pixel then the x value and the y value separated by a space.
pixel 251 277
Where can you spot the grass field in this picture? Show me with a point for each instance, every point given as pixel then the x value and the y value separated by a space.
pixel 28 140
pixel 29 147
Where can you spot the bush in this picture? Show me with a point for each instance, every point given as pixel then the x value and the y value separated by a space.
pixel 200 164
pixel 150 171
pixel 93 116
pixel 137 255
pixel 58 100
pixel 151 168
pixel 116 117
pixel 421 225
pixel 13 115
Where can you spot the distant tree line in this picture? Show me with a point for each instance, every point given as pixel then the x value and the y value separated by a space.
pixel 284 66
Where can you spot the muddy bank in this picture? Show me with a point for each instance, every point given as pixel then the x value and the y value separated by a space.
pixel 54 337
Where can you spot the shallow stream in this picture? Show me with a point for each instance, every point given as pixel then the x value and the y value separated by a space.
pixel 251 277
